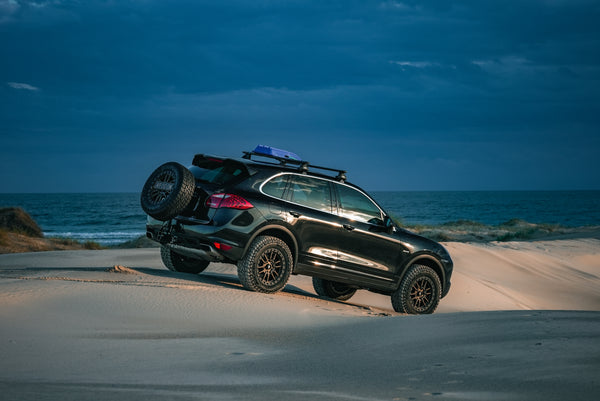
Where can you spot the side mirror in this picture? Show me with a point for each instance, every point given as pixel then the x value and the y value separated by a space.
pixel 388 223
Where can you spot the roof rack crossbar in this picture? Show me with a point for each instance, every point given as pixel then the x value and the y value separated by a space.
pixel 282 160
pixel 303 165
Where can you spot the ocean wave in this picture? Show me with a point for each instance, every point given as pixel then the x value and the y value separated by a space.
pixel 103 238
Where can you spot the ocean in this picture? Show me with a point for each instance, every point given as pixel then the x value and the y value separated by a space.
pixel 105 218
pixel 114 218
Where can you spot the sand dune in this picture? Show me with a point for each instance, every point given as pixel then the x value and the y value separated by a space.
pixel 74 328
pixel 526 275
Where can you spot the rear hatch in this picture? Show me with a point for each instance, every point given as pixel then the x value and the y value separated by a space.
pixel 213 175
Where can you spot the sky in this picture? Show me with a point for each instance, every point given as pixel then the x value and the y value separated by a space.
pixel 405 95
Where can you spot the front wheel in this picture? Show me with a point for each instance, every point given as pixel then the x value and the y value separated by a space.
pixel 267 265
pixel 180 263
pixel 419 292
pixel 332 289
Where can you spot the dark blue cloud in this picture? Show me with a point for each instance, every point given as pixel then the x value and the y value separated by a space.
pixel 405 94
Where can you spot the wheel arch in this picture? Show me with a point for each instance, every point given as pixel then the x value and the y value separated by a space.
pixel 428 260
pixel 278 231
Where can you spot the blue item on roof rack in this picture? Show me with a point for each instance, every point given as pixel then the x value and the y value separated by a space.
pixel 285 157
pixel 269 151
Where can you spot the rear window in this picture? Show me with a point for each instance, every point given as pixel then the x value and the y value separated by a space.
pixel 276 186
pixel 218 171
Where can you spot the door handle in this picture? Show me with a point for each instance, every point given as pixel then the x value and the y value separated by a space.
pixel 295 214
pixel 348 227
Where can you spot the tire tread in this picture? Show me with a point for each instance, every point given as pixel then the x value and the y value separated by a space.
pixel 401 297
pixel 324 288
pixel 192 266
pixel 245 267
pixel 177 201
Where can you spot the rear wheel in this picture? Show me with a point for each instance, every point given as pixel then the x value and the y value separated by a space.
pixel 167 191
pixel 332 289
pixel 419 292
pixel 267 265
pixel 180 263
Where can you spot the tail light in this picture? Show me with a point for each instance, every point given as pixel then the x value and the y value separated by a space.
pixel 230 201
pixel 222 247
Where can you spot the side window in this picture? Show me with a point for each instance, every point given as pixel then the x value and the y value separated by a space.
pixel 311 192
pixel 276 186
pixel 356 206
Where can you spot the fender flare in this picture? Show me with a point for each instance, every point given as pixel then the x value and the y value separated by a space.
pixel 276 227
pixel 433 262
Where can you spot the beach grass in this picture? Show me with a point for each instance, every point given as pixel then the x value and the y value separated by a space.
pixel 70 242
pixel 511 230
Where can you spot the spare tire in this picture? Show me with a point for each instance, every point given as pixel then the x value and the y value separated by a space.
pixel 168 191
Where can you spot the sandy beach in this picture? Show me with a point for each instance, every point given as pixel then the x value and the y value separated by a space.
pixel 521 322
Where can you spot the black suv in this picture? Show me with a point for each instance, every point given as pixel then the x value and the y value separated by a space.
pixel 274 215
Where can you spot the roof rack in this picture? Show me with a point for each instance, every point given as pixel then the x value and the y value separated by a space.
pixel 283 159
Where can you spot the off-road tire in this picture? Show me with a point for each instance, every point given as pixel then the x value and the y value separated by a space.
pixel 168 191
pixel 332 289
pixel 180 263
pixel 267 265
pixel 419 292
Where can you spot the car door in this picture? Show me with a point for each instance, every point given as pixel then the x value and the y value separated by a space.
pixel 310 213
pixel 366 247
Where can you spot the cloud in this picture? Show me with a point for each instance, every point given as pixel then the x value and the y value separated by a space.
pixel 512 65
pixel 22 86
pixel 395 5
pixel 422 65
pixel 7 9
pixel 415 64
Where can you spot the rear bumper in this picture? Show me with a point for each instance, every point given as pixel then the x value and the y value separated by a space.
pixel 206 252
pixel 200 241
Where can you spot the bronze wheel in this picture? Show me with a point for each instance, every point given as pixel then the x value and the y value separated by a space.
pixel 270 266
pixel 267 265
pixel 419 292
